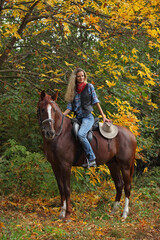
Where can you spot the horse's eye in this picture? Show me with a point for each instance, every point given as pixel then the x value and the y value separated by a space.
pixel 42 110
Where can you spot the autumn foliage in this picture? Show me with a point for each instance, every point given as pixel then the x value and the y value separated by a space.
pixel 118 44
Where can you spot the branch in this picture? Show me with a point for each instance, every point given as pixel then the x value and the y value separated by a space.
pixel 15 76
pixel 19 71
pixel 15 4
pixel 8 84
pixel 34 85
pixel 89 10
pixel 49 58
pixel 25 72
pixel 32 18
pixel 9 47
pixel 1 5
pixel 13 88
pixel 21 77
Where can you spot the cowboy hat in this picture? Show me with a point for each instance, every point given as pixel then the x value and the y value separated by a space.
pixel 108 130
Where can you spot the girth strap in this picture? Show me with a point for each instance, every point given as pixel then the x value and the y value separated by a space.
pixel 109 144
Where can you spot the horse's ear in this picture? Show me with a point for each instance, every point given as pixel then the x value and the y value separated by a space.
pixel 43 94
pixel 55 96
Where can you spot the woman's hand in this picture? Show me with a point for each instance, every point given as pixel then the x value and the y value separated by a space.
pixel 106 119
pixel 103 115
pixel 67 111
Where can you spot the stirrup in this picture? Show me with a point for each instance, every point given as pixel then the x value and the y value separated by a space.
pixel 89 164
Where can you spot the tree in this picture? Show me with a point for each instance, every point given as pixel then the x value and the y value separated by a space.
pixel 117 42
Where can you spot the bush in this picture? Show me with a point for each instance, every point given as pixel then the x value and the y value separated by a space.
pixel 29 174
pixel 25 172
pixel 150 178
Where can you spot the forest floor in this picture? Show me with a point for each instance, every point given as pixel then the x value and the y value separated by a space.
pixel 37 218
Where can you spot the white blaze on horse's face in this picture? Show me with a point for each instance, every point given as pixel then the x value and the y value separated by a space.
pixel 49 111
pixel 48 127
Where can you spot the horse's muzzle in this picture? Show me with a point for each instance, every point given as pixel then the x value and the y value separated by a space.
pixel 49 135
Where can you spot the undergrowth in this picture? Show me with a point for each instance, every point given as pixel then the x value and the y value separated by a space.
pixel 30 202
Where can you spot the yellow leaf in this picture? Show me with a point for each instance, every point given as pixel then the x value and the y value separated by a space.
pixel 141 73
pixel 45 43
pixel 66 28
pixel 124 58
pixel 12 203
pixel 154 105
pixel 133 38
pixel 51 2
pixel 57 80
pixel 149 82
pixel 104 169
pixel 100 87
pixel 98 28
pixel 91 19
pixel 1 225
pixel 110 84
pixel 85 56
pixel 130 76
pixel 134 51
pixel 50 71
pixel 17 35
pixel 145 170
pixel 68 64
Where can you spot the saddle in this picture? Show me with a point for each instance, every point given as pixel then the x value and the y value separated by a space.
pixel 76 125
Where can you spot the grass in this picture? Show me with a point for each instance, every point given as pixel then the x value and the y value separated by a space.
pixel 30 218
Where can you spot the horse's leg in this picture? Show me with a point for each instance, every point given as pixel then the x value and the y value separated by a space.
pixel 127 172
pixel 66 182
pixel 63 199
pixel 59 179
pixel 63 174
pixel 117 178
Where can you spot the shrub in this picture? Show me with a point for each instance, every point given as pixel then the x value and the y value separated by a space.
pixel 25 172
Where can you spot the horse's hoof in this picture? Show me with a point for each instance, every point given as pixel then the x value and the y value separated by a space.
pixel 61 216
pixel 112 212
pixel 124 216
pixel 67 220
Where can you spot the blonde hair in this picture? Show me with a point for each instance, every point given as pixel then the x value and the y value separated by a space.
pixel 70 92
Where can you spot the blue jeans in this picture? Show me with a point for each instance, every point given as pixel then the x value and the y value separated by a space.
pixel 87 123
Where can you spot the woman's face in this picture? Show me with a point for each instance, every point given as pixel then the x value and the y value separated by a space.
pixel 80 77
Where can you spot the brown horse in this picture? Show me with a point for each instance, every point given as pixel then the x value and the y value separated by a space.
pixel 60 148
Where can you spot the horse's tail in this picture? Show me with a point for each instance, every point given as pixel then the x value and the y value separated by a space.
pixel 133 158
pixel 132 167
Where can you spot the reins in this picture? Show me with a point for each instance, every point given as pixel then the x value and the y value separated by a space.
pixel 60 130
pixel 48 120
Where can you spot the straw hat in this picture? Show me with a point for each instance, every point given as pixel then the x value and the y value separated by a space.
pixel 108 130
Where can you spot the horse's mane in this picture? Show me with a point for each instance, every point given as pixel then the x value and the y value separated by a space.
pixel 47 99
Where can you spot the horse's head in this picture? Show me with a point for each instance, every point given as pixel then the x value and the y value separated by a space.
pixel 46 113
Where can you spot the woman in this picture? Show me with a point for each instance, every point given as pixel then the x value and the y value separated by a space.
pixel 80 97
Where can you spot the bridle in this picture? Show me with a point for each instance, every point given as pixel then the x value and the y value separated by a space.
pixel 50 120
